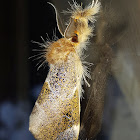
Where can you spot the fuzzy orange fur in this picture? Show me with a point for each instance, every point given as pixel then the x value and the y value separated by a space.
pixel 59 51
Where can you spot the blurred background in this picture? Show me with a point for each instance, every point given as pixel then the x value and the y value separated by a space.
pixel 117 27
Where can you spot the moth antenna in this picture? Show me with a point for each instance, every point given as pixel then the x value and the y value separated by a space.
pixel 58 20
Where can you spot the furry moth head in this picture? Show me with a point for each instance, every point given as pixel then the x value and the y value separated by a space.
pixel 78 29
pixel 79 20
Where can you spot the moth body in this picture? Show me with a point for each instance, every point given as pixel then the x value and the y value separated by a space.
pixel 58 105
pixel 56 114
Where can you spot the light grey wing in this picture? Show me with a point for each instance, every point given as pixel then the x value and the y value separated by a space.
pixel 120 30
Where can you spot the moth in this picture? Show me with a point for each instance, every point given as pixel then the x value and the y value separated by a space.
pixel 56 113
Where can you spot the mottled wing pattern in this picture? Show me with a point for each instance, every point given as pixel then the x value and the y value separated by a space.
pixel 56 114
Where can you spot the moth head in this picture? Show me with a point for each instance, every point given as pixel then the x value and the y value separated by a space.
pixel 78 28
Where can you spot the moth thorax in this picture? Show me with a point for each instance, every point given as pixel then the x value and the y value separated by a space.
pixel 58 51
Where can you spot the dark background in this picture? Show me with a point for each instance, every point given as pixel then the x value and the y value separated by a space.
pixel 26 20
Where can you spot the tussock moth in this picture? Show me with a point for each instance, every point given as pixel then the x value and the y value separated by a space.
pixel 56 114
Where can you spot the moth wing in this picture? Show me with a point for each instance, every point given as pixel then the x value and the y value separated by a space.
pixel 56 114
pixel 53 118
pixel 93 104
pixel 125 67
